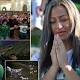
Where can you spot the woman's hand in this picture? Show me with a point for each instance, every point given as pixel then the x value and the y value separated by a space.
pixel 54 55
pixel 60 51
pixel 62 59
pixel 50 75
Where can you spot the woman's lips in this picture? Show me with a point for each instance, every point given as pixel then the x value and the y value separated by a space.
pixel 61 33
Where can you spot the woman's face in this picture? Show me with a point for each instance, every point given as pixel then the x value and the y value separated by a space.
pixel 60 22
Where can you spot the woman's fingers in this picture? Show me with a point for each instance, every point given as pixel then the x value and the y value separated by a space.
pixel 53 55
pixel 60 42
pixel 60 50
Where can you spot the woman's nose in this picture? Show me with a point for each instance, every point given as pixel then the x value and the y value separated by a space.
pixel 59 25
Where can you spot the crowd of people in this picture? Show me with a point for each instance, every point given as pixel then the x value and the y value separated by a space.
pixel 14 26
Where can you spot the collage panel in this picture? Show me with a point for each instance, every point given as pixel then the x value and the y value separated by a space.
pixel 55 38
pixel 21 70
pixel 13 50
pixel 14 25
pixel 14 19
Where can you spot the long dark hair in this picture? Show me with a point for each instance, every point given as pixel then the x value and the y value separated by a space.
pixel 48 37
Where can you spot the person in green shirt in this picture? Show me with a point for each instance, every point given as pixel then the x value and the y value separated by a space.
pixel 5 30
pixel 1 72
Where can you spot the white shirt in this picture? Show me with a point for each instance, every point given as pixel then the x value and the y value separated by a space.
pixel 60 76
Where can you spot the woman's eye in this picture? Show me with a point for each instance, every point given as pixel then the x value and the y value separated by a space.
pixel 63 20
pixel 52 22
